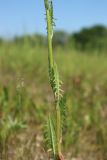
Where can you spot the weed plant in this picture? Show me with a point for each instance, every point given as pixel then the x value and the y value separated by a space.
pixel 55 121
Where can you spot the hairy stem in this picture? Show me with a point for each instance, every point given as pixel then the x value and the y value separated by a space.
pixel 49 33
pixel 54 79
pixel 58 131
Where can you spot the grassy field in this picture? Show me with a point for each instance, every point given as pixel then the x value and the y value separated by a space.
pixel 25 98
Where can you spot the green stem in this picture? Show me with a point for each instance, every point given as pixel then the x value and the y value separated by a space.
pixel 49 30
pixel 58 155
pixel 58 130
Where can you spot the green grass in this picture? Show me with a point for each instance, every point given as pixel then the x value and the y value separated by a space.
pixel 85 82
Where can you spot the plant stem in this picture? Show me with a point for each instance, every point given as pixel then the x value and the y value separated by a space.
pixel 49 19
pixel 58 131
pixel 49 30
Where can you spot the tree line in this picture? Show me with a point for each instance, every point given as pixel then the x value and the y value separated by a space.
pixel 94 37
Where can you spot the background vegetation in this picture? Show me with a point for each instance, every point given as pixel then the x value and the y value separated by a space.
pixel 93 38
pixel 25 94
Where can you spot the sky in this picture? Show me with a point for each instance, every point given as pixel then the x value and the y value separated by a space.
pixel 19 17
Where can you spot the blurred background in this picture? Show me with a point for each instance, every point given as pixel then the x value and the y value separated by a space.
pixel 80 49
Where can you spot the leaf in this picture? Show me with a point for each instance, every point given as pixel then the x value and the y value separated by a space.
pixel 50 136
pixel 46 4
pixel 62 105
pixel 55 82
pixel 51 13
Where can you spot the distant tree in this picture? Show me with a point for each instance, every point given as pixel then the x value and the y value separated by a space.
pixel 1 41
pixel 60 38
pixel 93 37
pixel 40 39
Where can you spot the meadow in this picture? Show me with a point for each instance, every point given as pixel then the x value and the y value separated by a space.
pixel 26 98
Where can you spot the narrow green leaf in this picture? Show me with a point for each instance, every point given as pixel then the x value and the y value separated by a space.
pixel 50 137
